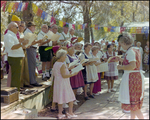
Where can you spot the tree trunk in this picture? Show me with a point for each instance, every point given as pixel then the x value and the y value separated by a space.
pixel 27 14
pixel 86 20
pixel 92 36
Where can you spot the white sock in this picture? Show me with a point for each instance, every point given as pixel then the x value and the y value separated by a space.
pixel 43 75
pixel 47 74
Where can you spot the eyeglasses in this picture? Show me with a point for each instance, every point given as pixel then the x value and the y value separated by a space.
pixel 16 27
pixel 22 26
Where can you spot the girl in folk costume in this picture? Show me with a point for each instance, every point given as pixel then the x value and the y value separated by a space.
pixel 97 85
pixel 132 85
pixel 146 55
pixel 63 92
pixel 89 72
pixel 112 73
pixel 76 81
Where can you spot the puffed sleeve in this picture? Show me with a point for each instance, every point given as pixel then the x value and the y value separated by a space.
pixel 105 56
pixel 67 60
pixel 131 56
pixel 81 56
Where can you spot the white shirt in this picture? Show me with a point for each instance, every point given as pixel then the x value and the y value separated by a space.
pixel 29 31
pixel 10 39
pixel 41 36
pixel 99 54
pixel 66 36
pixel 21 35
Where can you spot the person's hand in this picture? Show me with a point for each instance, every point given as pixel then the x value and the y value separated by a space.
pixel 48 40
pixel 119 67
pixel 25 42
pixel 23 46
pixel 39 41
pixel 21 40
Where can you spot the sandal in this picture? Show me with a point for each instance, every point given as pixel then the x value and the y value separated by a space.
pixel 61 116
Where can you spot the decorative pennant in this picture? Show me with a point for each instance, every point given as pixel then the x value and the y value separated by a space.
pixel 46 16
pixel 105 29
pixel 133 30
pixel 43 15
pixel 112 29
pixel 70 26
pixel 60 23
pixel 15 7
pixel 64 23
pixel 92 25
pixel 29 5
pixel 34 8
pixel 19 7
pixel 73 26
pixel 122 29
pixel 39 12
pixel 4 7
pixel 3 3
pixel 53 21
pixel 117 29
pixel 109 28
pixel 25 6
pixel 83 26
pixel 138 29
pixel 76 27
pixel 10 7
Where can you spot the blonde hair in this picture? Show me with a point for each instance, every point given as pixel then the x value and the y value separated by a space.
pixel 60 53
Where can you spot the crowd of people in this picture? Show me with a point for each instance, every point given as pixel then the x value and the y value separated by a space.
pixel 20 63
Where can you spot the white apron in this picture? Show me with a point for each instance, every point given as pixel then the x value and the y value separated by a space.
pixel 124 96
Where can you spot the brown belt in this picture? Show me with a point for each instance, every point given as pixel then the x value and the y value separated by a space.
pixel 33 47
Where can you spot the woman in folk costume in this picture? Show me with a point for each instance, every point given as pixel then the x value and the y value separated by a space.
pixel 63 92
pixel 146 55
pixel 97 85
pixel 89 72
pixel 76 81
pixel 112 73
pixel 132 85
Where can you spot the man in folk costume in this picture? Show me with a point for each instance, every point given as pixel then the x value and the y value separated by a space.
pixel 45 56
pixel 64 35
pixel 15 52
pixel 31 55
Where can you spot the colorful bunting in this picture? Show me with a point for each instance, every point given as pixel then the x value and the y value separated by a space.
pixel 10 7
pixel 61 23
pixel 3 3
pixel 4 6
pixel 39 12
pixel 109 28
pixel 105 29
pixel 25 6
pixel 19 7
pixel 43 15
pixel 138 29
pixel 122 29
pixel 112 29
pixel 34 8
pixel 73 26
pixel 15 7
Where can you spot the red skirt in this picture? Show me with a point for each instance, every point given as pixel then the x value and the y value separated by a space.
pixel 77 81
pixel 135 91
pixel 97 85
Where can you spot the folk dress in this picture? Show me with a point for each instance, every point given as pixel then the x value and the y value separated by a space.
pixel 146 55
pixel 112 73
pixel 131 90
pixel 97 85
pixel 90 71
pixel 77 80
pixel 63 92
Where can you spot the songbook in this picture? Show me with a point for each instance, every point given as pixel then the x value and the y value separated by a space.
pixel 83 61
pixel 103 67
pixel 93 59
pixel 111 59
pixel 75 62
pixel 77 69
pixel 31 37
pixel 52 36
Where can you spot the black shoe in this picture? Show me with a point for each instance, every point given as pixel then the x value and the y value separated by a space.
pixel 29 86
pixel 64 111
pixel 48 77
pixel 91 96
pixel 22 89
pixel 36 85
pixel 53 110
pixel 44 79
pixel 86 98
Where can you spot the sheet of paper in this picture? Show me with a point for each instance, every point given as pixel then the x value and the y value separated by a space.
pixel 84 60
pixel 103 67
pixel 73 63
pixel 52 36
pixel 31 37
pixel 77 69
